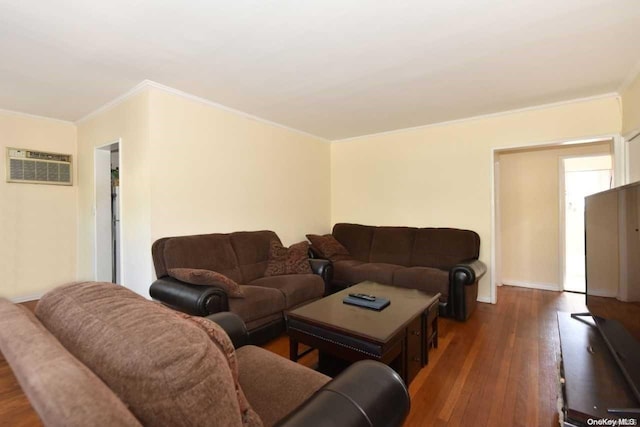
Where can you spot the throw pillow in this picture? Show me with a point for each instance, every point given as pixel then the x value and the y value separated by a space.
pixel 329 247
pixel 197 276
pixel 220 338
pixel 292 260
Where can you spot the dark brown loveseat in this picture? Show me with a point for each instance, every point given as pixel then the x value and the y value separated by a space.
pixel 243 257
pixel 441 260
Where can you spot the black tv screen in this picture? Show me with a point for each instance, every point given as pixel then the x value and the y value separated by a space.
pixel 612 259
pixel 612 223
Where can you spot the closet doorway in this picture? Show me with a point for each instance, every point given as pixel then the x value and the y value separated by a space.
pixel 107 213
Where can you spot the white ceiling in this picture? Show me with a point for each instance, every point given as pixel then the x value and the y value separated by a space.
pixel 333 68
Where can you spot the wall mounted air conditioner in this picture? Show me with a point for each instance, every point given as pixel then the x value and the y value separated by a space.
pixel 37 167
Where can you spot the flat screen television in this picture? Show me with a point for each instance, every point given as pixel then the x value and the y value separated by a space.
pixel 612 259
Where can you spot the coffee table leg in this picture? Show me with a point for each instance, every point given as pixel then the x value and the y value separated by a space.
pixel 293 349
pixel 435 332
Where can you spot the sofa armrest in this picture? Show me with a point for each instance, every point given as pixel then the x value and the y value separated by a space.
pixel 463 288
pixel 468 272
pixel 233 325
pixel 313 253
pixel 196 300
pixel 368 393
pixel 324 269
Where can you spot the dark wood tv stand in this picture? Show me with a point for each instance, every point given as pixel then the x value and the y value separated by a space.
pixel 593 383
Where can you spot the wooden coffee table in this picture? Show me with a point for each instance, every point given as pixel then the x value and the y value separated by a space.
pixel 400 335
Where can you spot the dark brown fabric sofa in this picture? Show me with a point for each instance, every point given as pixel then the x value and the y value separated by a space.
pixel 441 260
pixel 242 256
pixel 97 354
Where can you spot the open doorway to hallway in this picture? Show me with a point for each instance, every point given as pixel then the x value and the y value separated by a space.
pixel 107 213
pixel 529 201
pixel 579 177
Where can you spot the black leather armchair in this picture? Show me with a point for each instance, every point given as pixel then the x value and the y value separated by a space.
pixel 366 394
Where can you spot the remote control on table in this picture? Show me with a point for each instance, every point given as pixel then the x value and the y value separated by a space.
pixel 363 296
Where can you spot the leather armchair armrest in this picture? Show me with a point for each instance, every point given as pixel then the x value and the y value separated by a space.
pixel 366 394
pixel 233 326
pixel 324 269
pixel 468 272
pixel 196 300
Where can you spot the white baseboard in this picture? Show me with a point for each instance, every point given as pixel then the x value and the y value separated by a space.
pixel 25 298
pixel 486 300
pixel 543 286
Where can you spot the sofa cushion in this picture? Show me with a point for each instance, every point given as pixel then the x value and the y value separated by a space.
pixel 392 245
pixel 444 247
pixel 196 276
pixel 376 272
pixel 206 252
pixel 328 247
pixel 258 302
pixel 163 367
pixel 274 385
pixel 220 338
pixel 356 238
pixel 430 280
pixel 296 288
pixel 252 251
pixel 60 388
pixel 342 270
pixel 291 260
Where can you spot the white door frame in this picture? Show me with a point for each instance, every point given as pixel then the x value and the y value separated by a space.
pixel 100 154
pixel 620 178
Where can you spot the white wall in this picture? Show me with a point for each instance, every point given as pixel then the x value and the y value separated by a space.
pixel 218 171
pixel 37 222
pixel 441 175
pixel 130 122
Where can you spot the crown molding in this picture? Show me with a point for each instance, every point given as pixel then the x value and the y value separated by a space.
pixel 34 116
pixel 115 102
pixel 633 74
pixel 213 104
pixel 150 84
pixel 484 116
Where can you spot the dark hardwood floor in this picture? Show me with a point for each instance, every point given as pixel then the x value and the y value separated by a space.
pixel 497 369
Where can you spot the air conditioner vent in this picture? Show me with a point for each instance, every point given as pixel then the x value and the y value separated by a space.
pixel 37 167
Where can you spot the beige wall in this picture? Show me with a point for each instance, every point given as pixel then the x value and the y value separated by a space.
pixel 218 171
pixel 130 122
pixel 188 167
pixel 631 123
pixel 529 214
pixel 441 175
pixel 37 222
pixel 631 106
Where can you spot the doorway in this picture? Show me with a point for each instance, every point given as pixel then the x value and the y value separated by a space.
pixel 579 177
pixel 107 213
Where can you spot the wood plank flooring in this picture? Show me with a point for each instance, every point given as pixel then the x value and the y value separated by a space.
pixel 497 369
